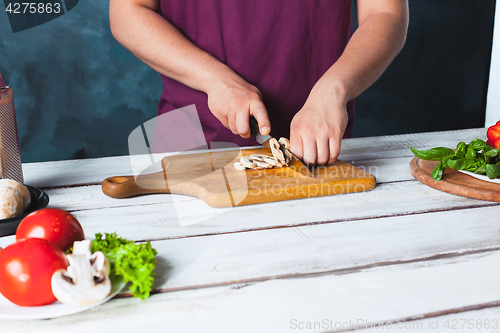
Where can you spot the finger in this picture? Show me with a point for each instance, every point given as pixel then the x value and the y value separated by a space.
pixel 310 150
pixel 296 145
pixel 258 110
pixel 323 147
pixel 334 150
pixel 231 119
pixel 222 118
pixel 243 123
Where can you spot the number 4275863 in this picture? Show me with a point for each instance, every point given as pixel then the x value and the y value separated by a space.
pixel 471 324
pixel 33 8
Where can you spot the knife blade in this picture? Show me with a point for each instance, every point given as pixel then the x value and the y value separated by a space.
pixel 295 163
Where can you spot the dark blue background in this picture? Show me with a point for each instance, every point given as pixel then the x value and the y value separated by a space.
pixel 79 94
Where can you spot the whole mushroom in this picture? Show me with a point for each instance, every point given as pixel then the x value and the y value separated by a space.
pixel 86 279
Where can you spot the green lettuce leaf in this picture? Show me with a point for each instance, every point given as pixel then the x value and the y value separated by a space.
pixel 135 263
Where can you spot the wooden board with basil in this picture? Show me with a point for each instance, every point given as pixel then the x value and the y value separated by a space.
pixel 477 157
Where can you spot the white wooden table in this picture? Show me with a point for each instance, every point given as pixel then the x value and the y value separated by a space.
pixel 403 254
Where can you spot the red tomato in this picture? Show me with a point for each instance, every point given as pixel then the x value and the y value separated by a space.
pixel 26 268
pixel 55 225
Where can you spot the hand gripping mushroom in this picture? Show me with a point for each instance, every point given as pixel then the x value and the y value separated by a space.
pixel 86 280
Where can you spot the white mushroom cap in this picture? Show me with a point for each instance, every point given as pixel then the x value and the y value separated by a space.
pixel 11 202
pixel 23 191
pixel 86 280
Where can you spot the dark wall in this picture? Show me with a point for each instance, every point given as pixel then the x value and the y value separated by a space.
pixel 79 93
pixel 439 80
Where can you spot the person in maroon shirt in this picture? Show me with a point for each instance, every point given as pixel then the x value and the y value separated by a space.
pixel 294 64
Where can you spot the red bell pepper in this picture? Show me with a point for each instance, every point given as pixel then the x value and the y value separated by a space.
pixel 493 135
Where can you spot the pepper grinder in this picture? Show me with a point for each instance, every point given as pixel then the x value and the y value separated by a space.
pixel 10 156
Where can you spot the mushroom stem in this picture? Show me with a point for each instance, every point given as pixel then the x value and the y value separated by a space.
pixel 86 280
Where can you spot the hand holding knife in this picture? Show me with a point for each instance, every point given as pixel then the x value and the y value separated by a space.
pixel 294 162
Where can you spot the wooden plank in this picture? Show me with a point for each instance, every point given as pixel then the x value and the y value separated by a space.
pixel 179 217
pixel 94 171
pixel 377 294
pixel 486 319
pixel 387 170
pixel 91 197
pixel 193 262
pixel 189 263
pixel 399 145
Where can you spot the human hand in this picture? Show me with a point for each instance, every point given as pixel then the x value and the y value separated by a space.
pixel 233 101
pixel 316 131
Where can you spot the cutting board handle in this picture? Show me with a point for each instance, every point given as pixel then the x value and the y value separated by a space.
pixel 126 187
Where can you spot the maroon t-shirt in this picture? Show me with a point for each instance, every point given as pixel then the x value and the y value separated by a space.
pixel 282 47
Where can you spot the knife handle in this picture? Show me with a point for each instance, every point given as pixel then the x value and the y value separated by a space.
pixel 254 126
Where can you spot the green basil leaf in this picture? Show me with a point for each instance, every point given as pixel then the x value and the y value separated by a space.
pixel 433 154
pixel 492 170
pixel 461 149
pixel 481 170
pixel 437 173
pixel 472 164
pixel 444 161
pixel 491 152
pixel 456 164
pixel 470 154
pixel 477 145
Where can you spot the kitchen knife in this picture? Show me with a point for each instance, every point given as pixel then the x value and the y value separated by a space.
pixel 295 163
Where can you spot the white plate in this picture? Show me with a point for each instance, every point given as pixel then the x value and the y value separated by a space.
pixel 482 177
pixel 9 310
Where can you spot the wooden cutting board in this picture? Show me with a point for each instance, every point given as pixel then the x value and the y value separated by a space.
pixel 212 178
pixel 454 182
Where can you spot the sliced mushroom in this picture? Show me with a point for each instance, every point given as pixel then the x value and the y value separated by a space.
pixel 266 158
pixel 257 162
pixel 288 155
pixel 285 143
pixel 273 161
pixel 86 280
pixel 247 162
pixel 277 153
pixel 239 166
pixel 263 165
pixel 257 157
